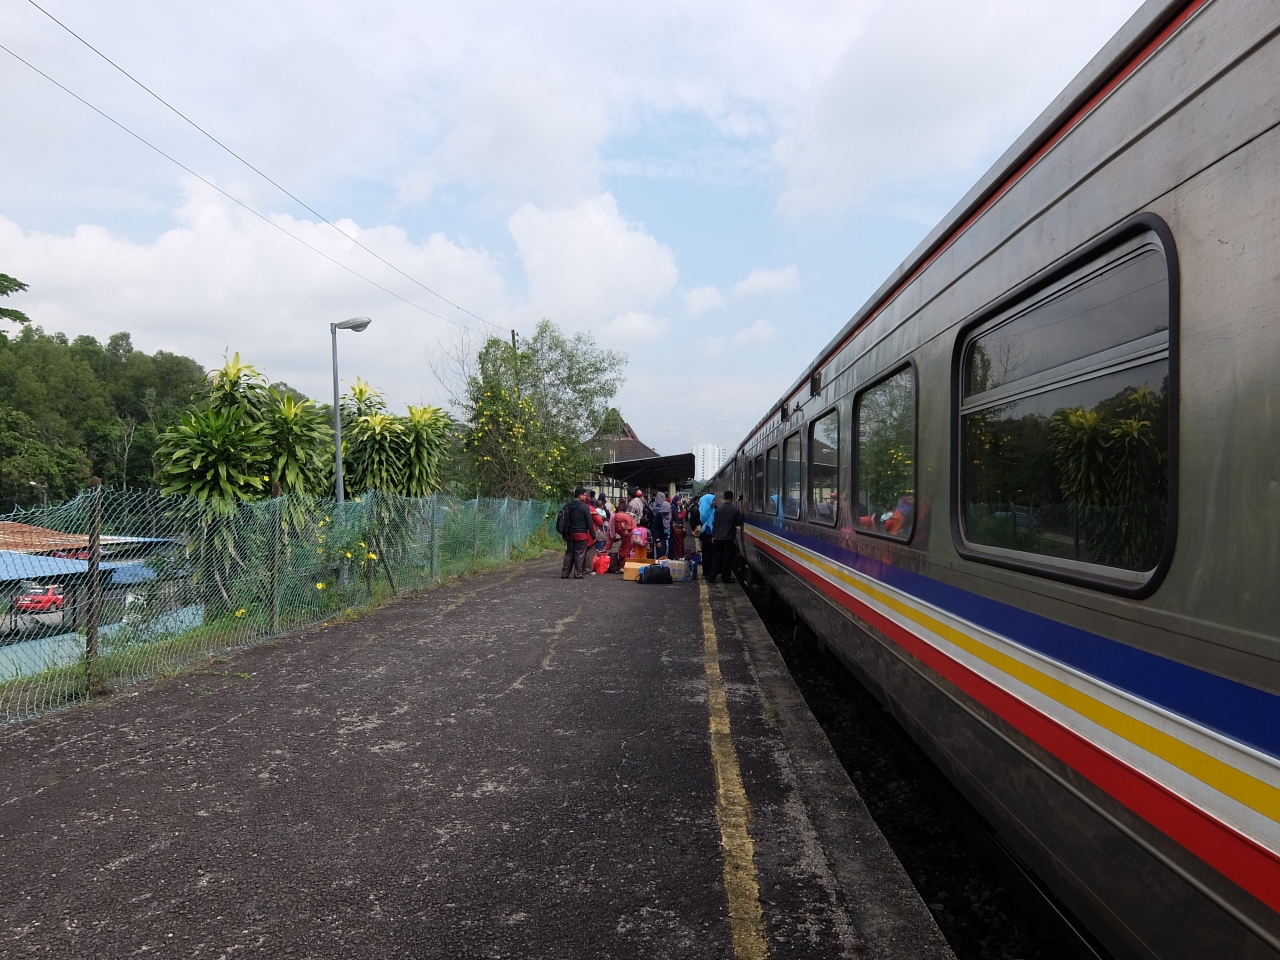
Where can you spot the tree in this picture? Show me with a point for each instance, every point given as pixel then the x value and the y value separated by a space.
pixel 430 438
pixel 216 455
pixel 531 406
pixel 570 381
pixel 381 451
pixel 287 441
pixel 300 442
pixel 10 285
pixel 375 453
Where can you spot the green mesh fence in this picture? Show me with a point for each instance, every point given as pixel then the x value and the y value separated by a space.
pixel 173 585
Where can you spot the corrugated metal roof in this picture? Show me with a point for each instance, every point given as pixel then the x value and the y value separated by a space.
pixel 16 566
pixel 24 566
pixel 27 538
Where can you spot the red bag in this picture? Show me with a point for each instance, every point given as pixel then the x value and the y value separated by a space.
pixel 601 563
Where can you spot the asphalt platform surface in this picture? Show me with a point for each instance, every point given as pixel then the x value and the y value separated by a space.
pixel 510 766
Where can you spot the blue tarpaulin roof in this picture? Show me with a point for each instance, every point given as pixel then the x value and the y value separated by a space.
pixel 24 566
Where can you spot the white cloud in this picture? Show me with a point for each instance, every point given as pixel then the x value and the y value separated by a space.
pixel 223 280
pixel 699 300
pixel 528 135
pixel 767 281
pixel 895 115
pixel 759 332
pixel 586 264
pixel 634 326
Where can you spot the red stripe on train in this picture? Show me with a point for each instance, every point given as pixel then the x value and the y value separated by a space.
pixel 1232 854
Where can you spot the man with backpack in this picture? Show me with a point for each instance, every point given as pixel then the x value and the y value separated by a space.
pixel 574 523
pixel 724 549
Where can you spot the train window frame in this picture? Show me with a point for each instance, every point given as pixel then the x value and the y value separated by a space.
pixel 757 483
pixel 811 506
pixel 773 484
pixel 799 461
pixel 1093 258
pixel 855 476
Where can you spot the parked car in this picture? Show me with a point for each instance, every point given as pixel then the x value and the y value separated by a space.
pixel 43 599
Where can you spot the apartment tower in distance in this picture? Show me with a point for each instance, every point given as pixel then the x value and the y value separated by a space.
pixel 708 458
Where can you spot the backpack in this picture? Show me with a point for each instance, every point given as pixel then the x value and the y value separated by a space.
pixel 656 573
pixel 646 516
pixel 601 563
pixel 615 563
pixel 562 522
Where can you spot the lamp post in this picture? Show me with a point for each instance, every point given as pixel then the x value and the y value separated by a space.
pixel 356 324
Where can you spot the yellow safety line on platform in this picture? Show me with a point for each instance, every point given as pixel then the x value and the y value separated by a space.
pixel 733 810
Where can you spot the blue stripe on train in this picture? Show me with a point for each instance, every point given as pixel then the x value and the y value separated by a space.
pixel 1233 709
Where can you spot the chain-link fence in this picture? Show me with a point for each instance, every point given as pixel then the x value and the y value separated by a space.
pixel 118 586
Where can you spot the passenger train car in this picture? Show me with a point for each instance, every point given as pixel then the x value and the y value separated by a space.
pixel 1030 493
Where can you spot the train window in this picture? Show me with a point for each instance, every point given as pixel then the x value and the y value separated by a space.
pixel 757 485
pixel 772 476
pixel 1064 422
pixel 824 469
pixel 885 414
pixel 791 477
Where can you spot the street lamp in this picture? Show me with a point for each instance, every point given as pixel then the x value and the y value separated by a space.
pixel 356 324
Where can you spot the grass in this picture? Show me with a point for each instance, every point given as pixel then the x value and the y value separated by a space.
pixel 132 656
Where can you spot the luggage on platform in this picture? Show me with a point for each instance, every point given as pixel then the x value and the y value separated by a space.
pixel 656 573
pixel 615 563
pixel 679 570
pixel 601 563
pixel 632 569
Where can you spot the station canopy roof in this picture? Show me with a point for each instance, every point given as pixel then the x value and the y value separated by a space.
pixel 652 471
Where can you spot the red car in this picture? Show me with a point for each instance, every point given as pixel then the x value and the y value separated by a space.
pixel 39 600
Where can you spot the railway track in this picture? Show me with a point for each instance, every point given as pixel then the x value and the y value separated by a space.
pixel 988 905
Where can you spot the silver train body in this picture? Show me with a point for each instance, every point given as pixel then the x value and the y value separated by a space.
pixel 1086 639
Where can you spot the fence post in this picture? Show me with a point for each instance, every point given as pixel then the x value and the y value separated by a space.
pixel 506 542
pixel 435 537
pixel 277 531
pixel 92 680
pixel 475 529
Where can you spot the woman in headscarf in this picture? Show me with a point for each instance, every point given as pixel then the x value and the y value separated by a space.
pixel 661 525
pixel 677 527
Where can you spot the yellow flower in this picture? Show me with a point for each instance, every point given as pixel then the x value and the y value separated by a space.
pixel 319 586
pixel 372 556
pixel 241 612
pixel 348 554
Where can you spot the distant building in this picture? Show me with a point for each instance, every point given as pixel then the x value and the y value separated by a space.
pixel 708 458
pixel 614 442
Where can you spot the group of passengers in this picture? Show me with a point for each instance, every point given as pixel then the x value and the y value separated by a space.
pixel 701 530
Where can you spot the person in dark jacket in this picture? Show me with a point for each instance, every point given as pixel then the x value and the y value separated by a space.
pixel 724 547
pixel 578 537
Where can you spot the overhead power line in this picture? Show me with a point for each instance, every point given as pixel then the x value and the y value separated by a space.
pixel 302 203
pixel 236 200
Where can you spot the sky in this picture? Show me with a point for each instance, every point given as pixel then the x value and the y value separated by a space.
pixel 712 188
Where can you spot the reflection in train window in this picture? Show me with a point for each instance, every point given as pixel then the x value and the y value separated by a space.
pixel 791 477
pixel 886 494
pixel 1065 423
pixel 757 484
pixel 772 476
pixel 824 469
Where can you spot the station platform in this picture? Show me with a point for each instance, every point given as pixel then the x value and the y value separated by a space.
pixel 510 766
